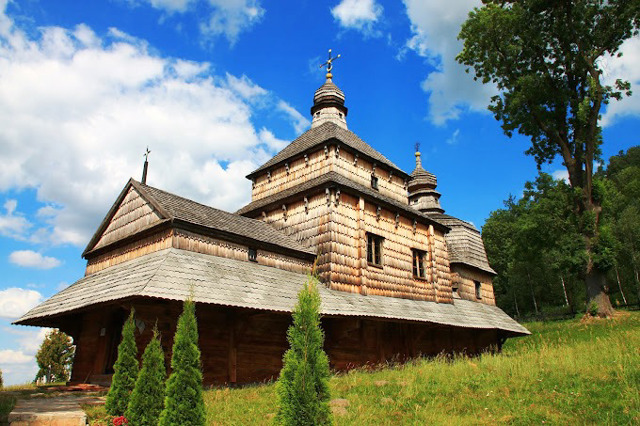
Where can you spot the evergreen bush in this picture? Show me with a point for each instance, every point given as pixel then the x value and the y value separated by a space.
pixel 183 404
pixel 147 398
pixel 125 371
pixel 302 388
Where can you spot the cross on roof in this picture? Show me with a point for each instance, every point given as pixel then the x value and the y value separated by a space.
pixel 329 64
pixel 146 154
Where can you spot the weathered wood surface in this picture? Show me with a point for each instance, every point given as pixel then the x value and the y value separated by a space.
pixel 245 346
pixel 464 278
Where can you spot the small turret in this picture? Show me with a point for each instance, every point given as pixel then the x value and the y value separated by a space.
pixel 328 101
pixel 422 189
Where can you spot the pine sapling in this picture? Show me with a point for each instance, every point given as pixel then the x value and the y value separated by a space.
pixel 302 388
pixel 147 398
pixel 125 371
pixel 183 404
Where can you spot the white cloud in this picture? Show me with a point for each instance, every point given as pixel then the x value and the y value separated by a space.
pixel 11 224
pixel 360 15
pixel 9 356
pixel 300 123
pixel 78 110
pixel 171 5
pixel 452 91
pixel 454 137
pixel 231 17
pixel 32 259
pixel 626 68
pixel 561 174
pixel 15 302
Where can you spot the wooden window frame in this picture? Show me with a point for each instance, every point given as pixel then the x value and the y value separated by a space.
pixel 419 264
pixel 478 289
pixel 253 255
pixel 374 182
pixel 375 244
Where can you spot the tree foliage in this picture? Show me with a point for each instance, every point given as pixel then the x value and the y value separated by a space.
pixel 536 247
pixel 302 388
pixel 1 380
pixel 147 398
pixel 55 357
pixel 125 370
pixel 184 405
pixel 545 57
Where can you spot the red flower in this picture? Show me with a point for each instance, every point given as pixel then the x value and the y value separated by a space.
pixel 120 421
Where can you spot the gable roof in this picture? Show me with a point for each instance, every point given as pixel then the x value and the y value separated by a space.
pixel 321 135
pixel 178 210
pixel 464 242
pixel 177 274
pixel 334 178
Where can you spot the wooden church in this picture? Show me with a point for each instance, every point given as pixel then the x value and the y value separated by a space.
pixel 400 279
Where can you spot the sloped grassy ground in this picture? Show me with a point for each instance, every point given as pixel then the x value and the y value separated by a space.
pixel 568 372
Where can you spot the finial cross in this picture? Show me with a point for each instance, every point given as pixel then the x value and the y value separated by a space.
pixel 417 146
pixel 329 62
pixel 146 154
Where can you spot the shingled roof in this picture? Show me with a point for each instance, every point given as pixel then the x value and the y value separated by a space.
pixel 464 242
pixel 179 210
pixel 342 181
pixel 321 135
pixel 176 274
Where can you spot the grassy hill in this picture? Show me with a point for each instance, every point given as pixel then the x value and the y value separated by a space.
pixel 569 372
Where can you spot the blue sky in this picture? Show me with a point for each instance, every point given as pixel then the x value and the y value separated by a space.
pixel 215 88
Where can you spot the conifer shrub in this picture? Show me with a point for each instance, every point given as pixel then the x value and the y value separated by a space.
pixel 147 398
pixel 183 405
pixel 125 371
pixel 302 388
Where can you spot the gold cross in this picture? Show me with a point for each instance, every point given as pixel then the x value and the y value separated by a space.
pixel 329 64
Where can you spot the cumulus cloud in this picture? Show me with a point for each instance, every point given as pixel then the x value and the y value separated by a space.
pixel 12 224
pixel 359 15
pixel 561 174
pixel 32 259
pixel 15 302
pixel 452 91
pixel 9 356
pixel 77 111
pixel 300 122
pixel 626 68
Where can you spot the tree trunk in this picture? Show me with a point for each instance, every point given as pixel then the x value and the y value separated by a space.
pixel 596 283
pixel 637 283
pixel 564 290
pixel 533 295
pixel 515 299
pixel 620 286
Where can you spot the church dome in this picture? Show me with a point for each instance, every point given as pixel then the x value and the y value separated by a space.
pixel 328 101
pixel 422 189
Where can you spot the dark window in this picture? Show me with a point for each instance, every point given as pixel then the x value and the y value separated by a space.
pixel 253 255
pixel 478 289
pixel 419 258
pixel 374 249
pixel 374 182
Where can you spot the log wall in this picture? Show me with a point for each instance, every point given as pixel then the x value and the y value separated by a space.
pixel 464 277
pixel 133 214
pixel 245 346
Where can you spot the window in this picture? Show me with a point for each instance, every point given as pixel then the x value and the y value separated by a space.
pixel 374 182
pixel 253 255
pixel 374 249
pixel 419 257
pixel 478 289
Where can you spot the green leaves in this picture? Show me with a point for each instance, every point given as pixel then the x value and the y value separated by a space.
pixel 303 391
pixel 125 370
pixel 184 405
pixel 55 357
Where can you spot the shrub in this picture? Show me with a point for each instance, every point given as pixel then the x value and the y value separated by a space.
pixel 147 398
pixel 302 388
pixel 183 404
pixel 125 371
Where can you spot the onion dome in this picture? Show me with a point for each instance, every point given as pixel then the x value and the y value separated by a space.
pixel 422 190
pixel 328 105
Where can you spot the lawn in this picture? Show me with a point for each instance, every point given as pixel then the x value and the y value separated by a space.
pixel 568 372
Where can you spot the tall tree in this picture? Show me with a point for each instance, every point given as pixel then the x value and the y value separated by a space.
pixel 303 390
pixel 183 404
pixel 55 357
pixel 545 56
pixel 125 370
pixel 1 381
pixel 147 398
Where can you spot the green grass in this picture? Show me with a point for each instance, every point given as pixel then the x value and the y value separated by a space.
pixel 567 372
